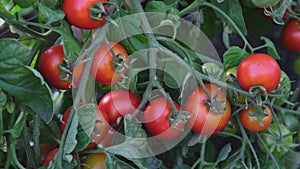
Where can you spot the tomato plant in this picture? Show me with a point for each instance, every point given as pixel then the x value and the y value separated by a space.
pixel 290 35
pixel 208 118
pixel 265 3
pixel 49 66
pixel 157 119
pixel 109 64
pixel 254 120
pixel 258 70
pixel 78 13
pixel 95 161
pixel 118 103
pixel 179 84
pixel 101 127
pixel 277 144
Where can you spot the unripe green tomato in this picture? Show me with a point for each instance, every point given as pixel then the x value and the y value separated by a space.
pixel 271 139
pixel 265 3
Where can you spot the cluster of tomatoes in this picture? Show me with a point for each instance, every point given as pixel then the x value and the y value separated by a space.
pixel 210 109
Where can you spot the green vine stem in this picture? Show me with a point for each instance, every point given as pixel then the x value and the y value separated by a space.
pixel 247 140
pixel 28 150
pixel 36 138
pixel 198 3
pixel 268 151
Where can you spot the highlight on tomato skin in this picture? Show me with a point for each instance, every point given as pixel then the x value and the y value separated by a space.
pixel 105 68
pixel 290 35
pixel 77 12
pixel 203 120
pixel 259 69
pixel 48 65
pixel 118 103
pixel 250 118
pixel 156 119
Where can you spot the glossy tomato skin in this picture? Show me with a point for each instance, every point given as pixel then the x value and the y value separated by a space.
pixel 77 12
pixel 118 103
pixel 258 70
pixel 48 66
pixel 250 121
pixel 102 68
pixel 290 35
pixel 102 127
pixel 204 121
pixel 156 119
pixel 95 161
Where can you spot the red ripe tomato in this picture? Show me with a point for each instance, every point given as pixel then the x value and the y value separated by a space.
pixel 49 67
pixel 156 119
pixel 49 157
pixel 258 70
pixel 249 119
pixel 102 68
pixel 118 103
pixel 77 73
pixel 78 13
pixel 109 138
pixel 95 161
pixel 101 127
pixel 203 120
pixel 290 35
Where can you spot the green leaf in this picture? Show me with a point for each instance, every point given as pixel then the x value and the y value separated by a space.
pixel 50 15
pixel 135 146
pixel 224 153
pixel 17 129
pixel 183 167
pixel 27 86
pixel 25 3
pixel 86 118
pixel 271 48
pixel 291 160
pixel 233 56
pixel 71 140
pixel 12 53
pixel 3 99
pixel 128 32
pixel 172 77
pixel 4 14
pixel 112 162
pixel 234 10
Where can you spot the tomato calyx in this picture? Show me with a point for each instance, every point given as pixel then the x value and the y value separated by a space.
pixel 259 113
pixel 181 117
pixel 215 106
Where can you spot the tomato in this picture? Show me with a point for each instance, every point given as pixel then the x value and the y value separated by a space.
pixel 78 13
pixel 258 70
pixel 49 67
pixel 45 149
pixel 108 139
pixel 265 3
pixel 77 73
pixel 49 157
pixel 118 103
pixel 156 119
pixel 204 120
pixel 95 161
pixel 291 122
pixel 290 35
pixel 100 127
pixel 250 118
pixel 271 138
pixel 103 69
